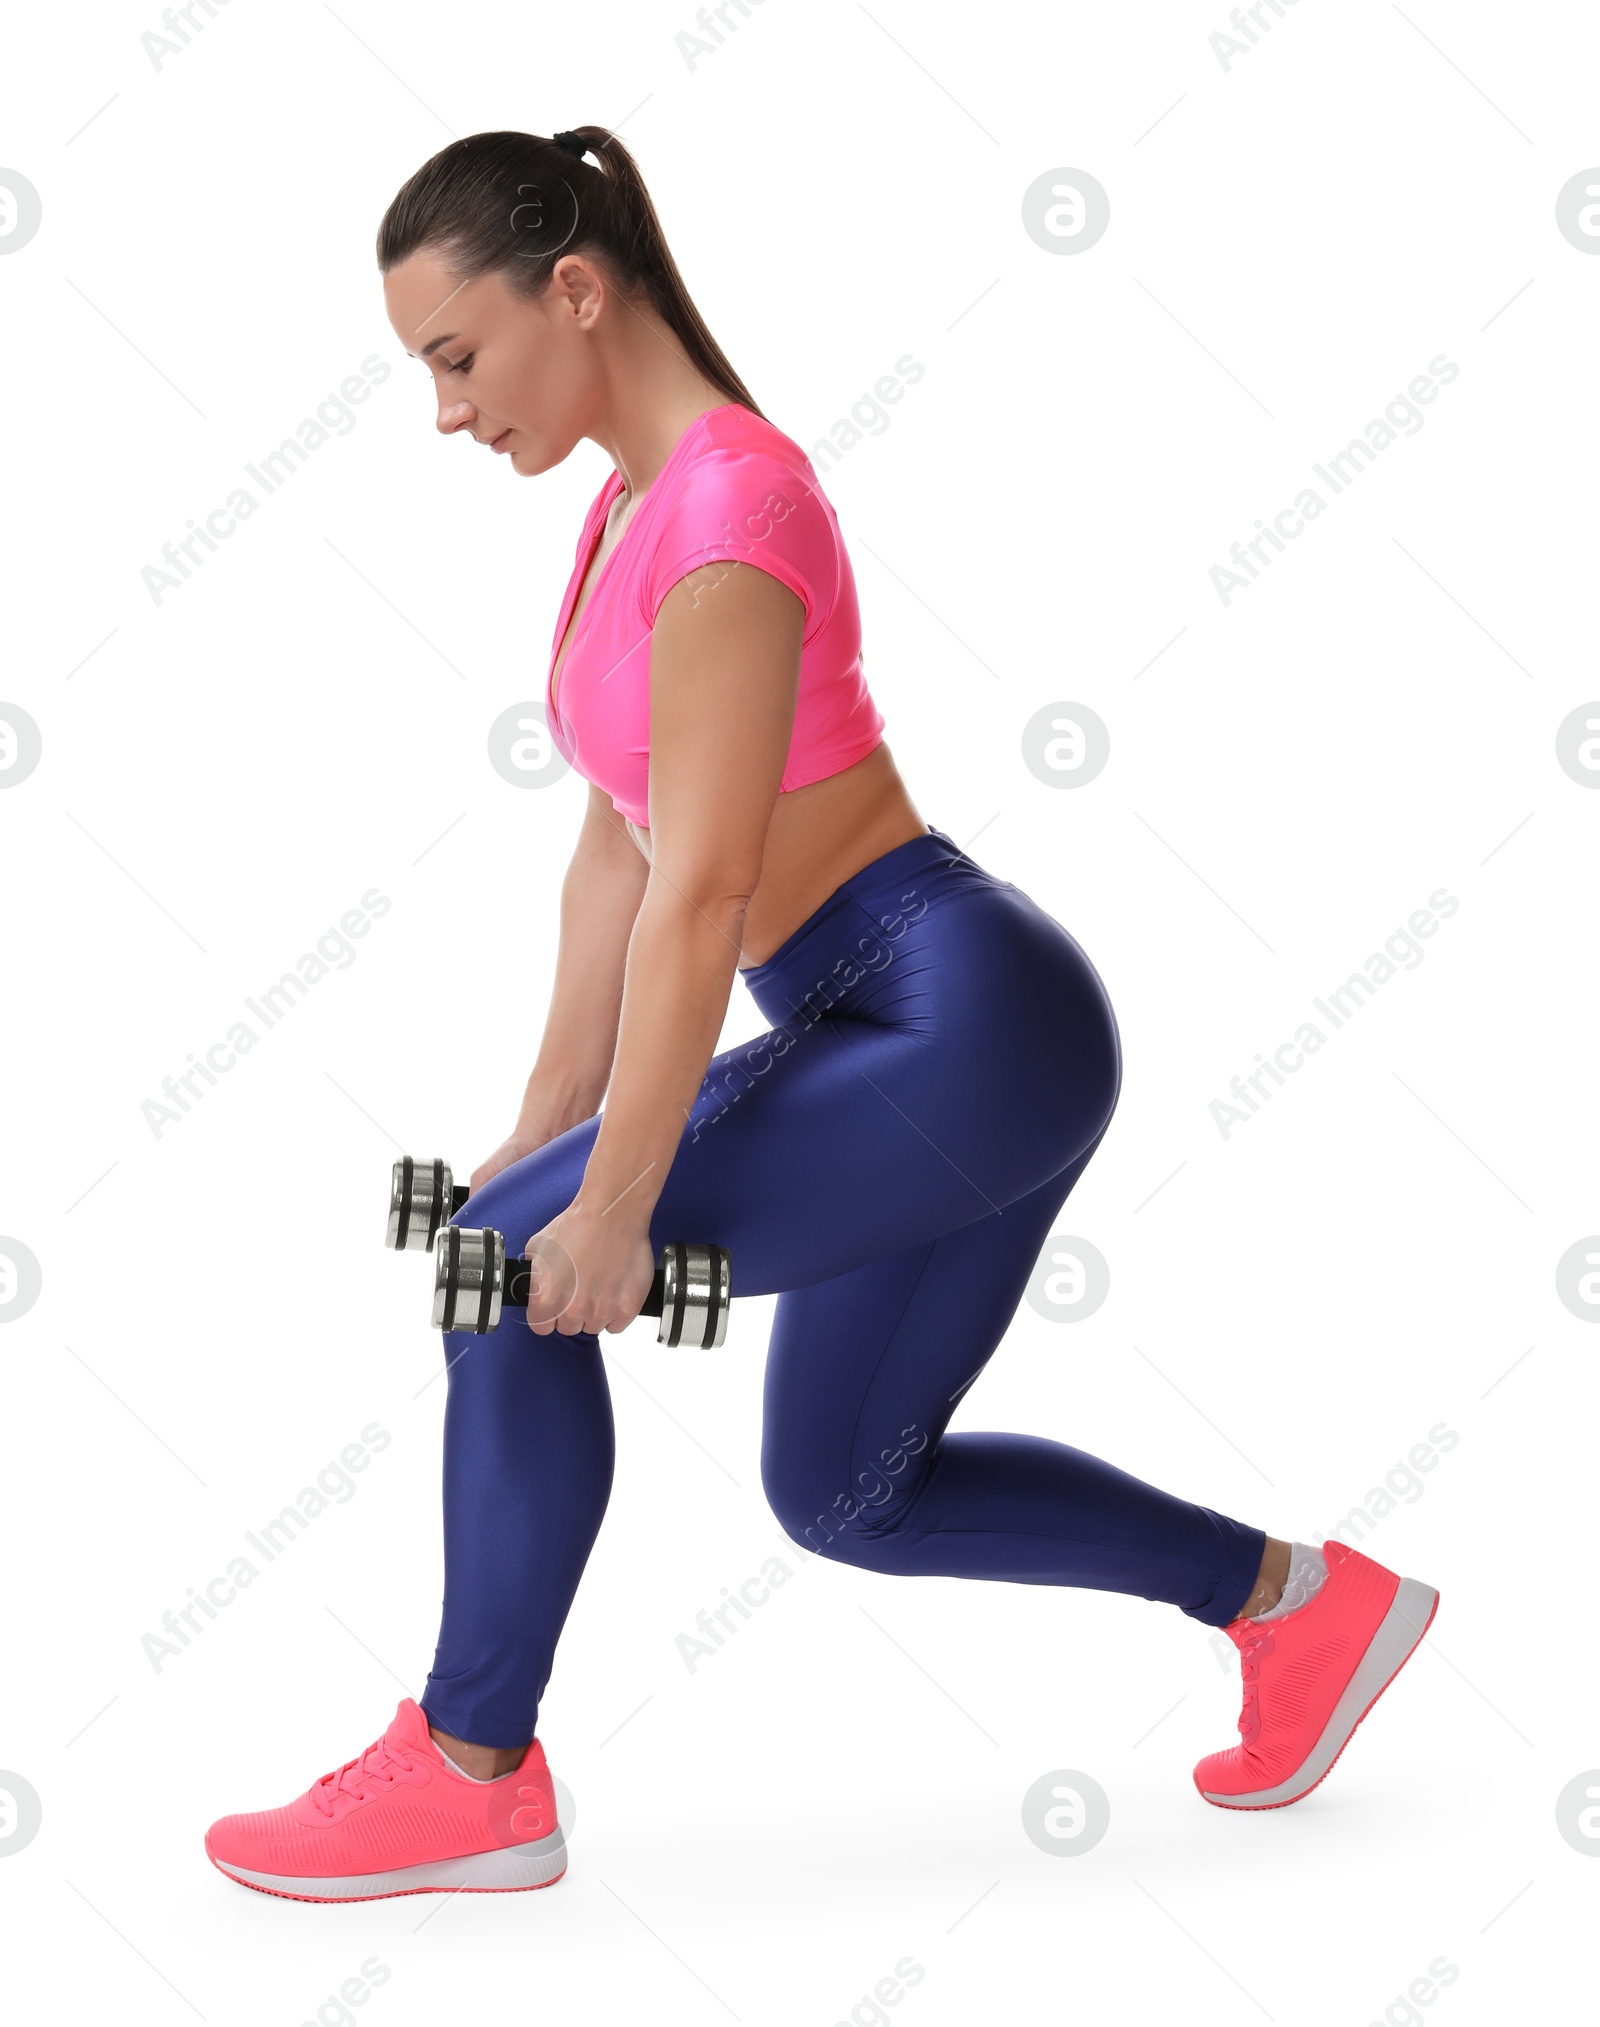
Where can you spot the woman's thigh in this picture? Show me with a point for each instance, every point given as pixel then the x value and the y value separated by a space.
pixel 976 1067
pixel 865 1371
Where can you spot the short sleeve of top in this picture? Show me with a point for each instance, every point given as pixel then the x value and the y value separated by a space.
pixel 742 504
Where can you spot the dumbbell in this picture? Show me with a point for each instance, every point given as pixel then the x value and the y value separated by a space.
pixel 422 1196
pixel 473 1281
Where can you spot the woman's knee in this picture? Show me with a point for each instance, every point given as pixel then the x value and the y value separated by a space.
pixel 523 1198
pixel 843 1520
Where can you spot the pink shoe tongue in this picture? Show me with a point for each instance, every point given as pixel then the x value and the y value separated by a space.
pixel 410 1728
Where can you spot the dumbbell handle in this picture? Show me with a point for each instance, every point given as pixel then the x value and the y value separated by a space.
pixel 519 1280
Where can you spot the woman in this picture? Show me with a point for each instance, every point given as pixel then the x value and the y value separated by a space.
pixel 889 1158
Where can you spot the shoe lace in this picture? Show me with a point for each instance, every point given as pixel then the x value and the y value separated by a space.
pixel 379 1766
pixel 1253 1650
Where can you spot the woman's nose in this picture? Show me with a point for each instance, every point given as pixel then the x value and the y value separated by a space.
pixel 453 415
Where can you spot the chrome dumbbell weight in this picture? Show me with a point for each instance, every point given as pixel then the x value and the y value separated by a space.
pixel 422 1197
pixel 473 1280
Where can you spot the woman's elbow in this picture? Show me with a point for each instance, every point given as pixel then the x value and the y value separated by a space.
pixel 721 898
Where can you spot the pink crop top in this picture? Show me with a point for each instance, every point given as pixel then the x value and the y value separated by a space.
pixel 735 488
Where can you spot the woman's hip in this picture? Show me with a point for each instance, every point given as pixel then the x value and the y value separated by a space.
pixel 927 941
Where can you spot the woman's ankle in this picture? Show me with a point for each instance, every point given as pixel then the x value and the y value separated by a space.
pixel 1270 1579
pixel 482 1762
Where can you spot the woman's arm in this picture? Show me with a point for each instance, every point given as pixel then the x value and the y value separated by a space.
pixel 600 896
pixel 724 677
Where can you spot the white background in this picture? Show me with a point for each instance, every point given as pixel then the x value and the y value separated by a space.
pixel 1293 238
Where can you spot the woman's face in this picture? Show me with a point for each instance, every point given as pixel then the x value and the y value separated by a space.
pixel 510 372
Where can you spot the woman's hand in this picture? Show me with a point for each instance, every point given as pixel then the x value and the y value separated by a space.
pixel 520 1141
pixel 592 1272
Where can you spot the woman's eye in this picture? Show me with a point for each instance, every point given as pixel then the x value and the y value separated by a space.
pixel 464 364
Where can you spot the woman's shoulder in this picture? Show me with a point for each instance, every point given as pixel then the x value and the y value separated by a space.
pixel 741 428
pixel 747 493
pixel 735 436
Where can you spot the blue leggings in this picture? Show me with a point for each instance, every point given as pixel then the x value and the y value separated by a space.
pixel 888 1159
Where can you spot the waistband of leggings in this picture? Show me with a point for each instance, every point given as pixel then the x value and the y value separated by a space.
pixel 896 878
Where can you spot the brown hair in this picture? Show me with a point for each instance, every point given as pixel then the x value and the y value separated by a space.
pixel 513 204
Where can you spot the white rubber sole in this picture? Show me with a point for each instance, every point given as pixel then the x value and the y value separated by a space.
pixel 511 1870
pixel 1399 1633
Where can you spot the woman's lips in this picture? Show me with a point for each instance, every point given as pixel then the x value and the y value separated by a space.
pixel 499 442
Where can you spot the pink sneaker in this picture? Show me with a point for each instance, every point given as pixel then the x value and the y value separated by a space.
pixel 399 1820
pixel 1309 1680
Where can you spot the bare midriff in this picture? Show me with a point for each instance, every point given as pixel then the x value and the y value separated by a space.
pixel 819 836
